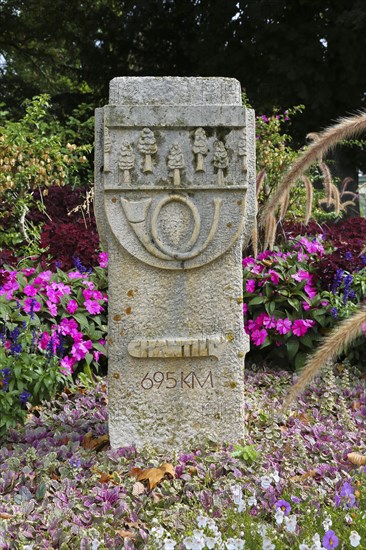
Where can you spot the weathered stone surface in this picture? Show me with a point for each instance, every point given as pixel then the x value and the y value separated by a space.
pixel 175 178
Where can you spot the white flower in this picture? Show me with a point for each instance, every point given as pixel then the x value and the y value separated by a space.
pixel 202 520
pixel 275 477
pixel 262 529
pixel 290 523
pixel 265 482
pixel 211 525
pixel 354 539
pixel 157 532
pixel 191 544
pixel 234 544
pixel 304 547
pixel 169 544
pixel 252 501
pixel 267 544
pixel 237 493
pixel 211 542
pixel 95 544
pixel 279 515
pixel 348 519
pixel 316 540
pixel 327 523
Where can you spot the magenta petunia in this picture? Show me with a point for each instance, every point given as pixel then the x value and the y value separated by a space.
pixel 30 290
pixel 250 285
pixel 301 326
pixel 103 259
pixel 302 275
pixel 80 349
pixel 274 276
pixel 52 308
pixel 258 336
pixel 30 304
pixel 283 326
pixel 67 364
pixel 310 291
pixel 71 306
pixel 269 321
pixel 93 307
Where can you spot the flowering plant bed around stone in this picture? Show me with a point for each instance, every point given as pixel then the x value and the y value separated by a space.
pixel 296 481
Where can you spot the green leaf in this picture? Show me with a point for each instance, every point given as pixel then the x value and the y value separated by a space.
pixel 292 347
pixel 300 360
pixel 257 300
pixel 307 341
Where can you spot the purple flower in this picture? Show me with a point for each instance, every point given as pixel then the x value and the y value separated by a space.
pixel 284 506
pixel 347 491
pixel 330 540
pixel 337 280
pixel 334 312
pixel 348 255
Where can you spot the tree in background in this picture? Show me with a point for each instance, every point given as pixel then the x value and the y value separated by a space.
pixel 284 52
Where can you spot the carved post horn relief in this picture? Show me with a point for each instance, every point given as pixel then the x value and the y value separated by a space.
pixel 182 204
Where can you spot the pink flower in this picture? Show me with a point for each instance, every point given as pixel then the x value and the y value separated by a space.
pixel 9 288
pixel 301 256
pixel 80 349
pixel 52 308
pixel 89 284
pixel 55 291
pixel 305 306
pixel 30 304
pixel 67 363
pixel 301 326
pixel 258 336
pixel 97 295
pixel 250 285
pixel 93 307
pixel 302 275
pixel 68 327
pixel 310 291
pixel 30 290
pixel 245 309
pixel 324 303
pixel 71 306
pixel 43 341
pixel 283 326
pixel 313 247
pixel 274 276
pixel 42 278
pixel 28 271
pixel 97 354
pixel 103 259
pixel 269 322
pixel 364 328
pixel 76 275
pixel 248 261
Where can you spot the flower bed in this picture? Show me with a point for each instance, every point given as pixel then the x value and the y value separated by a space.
pixel 291 485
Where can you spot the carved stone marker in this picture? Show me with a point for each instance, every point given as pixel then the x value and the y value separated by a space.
pixel 174 202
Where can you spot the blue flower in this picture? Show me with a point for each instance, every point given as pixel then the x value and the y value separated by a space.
pixel 334 312
pixel 80 267
pixel 14 334
pixel 23 397
pixel 15 349
pixel 348 255
pixel 6 375
pixel 337 280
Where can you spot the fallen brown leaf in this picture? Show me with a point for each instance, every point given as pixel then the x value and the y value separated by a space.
pixel 303 477
pixel 154 475
pixel 4 515
pixel 126 534
pixel 95 444
pixel 357 458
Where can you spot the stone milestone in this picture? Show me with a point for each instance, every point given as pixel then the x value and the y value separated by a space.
pixel 175 201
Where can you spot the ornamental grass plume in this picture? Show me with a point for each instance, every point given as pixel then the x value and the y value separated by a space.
pixel 309 198
pixel 324 141
pixel 338 340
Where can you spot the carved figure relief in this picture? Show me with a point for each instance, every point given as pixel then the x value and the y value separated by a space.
pixel 242 152
pixel 107 150
pixel 200 148
pixel 178 347
pixel 147 146
pixel 220 161
pixel 126 161
pixel 176 162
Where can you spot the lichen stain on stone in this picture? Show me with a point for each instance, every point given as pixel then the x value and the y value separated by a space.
pixel 128 310
pixel 116 376
pixel 130 293
pixel 117 318
pixel 114 199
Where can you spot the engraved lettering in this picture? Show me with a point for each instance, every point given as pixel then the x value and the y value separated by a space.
pixel 209 377
pixel 184 380
pixel 171 379
pixel 146 382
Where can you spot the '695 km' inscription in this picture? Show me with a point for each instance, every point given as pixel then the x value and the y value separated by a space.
pixel 170 380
